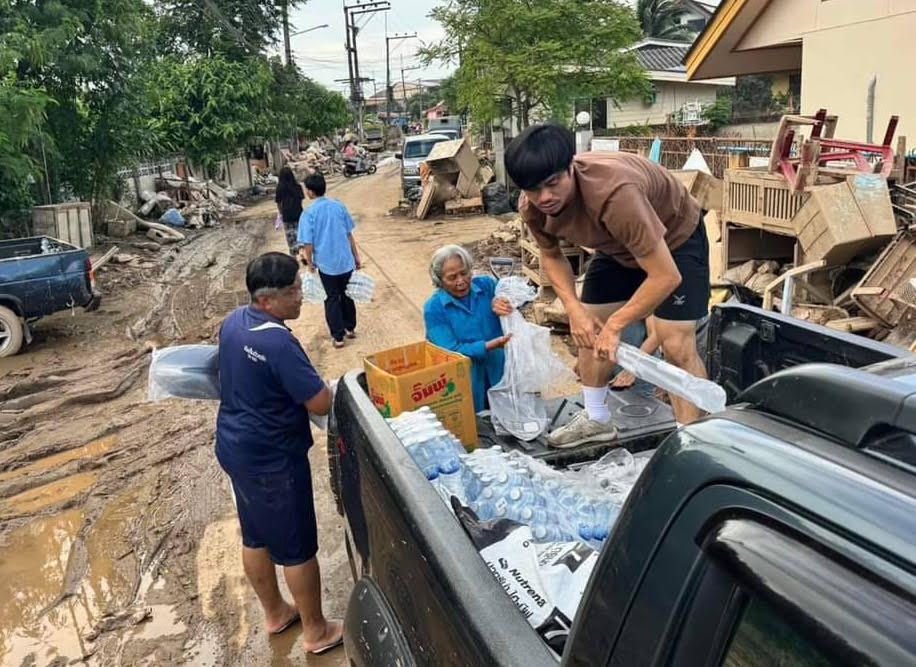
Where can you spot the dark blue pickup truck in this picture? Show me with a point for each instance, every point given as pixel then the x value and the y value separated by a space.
pixel 39 276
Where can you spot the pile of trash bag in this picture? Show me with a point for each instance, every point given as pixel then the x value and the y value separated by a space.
pixel 496 199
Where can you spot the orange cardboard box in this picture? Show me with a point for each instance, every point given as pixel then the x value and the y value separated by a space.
pixel 408 377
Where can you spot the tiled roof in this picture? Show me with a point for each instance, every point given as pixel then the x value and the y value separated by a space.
pixel 667 58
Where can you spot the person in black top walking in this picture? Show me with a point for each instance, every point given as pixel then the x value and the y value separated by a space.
pixel 289 204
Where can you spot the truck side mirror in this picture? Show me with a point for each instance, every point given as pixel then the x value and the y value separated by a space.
pixel 398 156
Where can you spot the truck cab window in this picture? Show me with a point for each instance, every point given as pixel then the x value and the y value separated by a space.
pixel 763 638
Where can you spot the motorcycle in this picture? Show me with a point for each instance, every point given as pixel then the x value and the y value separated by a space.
pixel 357 166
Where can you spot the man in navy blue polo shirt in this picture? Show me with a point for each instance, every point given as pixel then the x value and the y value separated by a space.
pixel 268 387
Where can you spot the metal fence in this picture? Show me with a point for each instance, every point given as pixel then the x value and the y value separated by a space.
pixel 719 152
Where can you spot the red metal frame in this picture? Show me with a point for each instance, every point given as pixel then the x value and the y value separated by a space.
pixel 819 151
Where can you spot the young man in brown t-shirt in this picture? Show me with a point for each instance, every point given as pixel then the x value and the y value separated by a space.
pixel 652 257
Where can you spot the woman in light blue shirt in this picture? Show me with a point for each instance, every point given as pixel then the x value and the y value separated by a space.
pixel 463 314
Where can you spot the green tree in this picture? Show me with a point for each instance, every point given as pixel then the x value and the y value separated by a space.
pixel 719 113
pixel 661 19
pixel 754 96
pixel 83 58
pixel 207 107
pixel 538 55
pixel 300 106
pixel 235 29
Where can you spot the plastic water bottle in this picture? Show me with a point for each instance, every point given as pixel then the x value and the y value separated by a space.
pixel 361 287
pixel 420 455
pixel 451 482
pixel 312 289
pixel 470 480
pixel 548 532
pixel 605 516
pixel 485 505
pixel 523 497
pixel 585 520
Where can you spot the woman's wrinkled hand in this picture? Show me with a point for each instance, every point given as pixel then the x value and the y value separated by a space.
pixel 502 307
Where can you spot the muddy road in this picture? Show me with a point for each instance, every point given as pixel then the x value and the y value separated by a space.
pixel 118 539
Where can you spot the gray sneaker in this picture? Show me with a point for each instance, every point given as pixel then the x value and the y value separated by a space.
pixel 580 430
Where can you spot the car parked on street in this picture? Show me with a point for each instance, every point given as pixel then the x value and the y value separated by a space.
pixel 413 153
pixel 38 277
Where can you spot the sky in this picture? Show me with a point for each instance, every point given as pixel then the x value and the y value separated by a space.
pixel 322 56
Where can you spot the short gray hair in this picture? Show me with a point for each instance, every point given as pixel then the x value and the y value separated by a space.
pixel 442 255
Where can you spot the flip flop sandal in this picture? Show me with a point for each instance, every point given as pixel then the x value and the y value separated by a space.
pixel 286 626
pixel 327 648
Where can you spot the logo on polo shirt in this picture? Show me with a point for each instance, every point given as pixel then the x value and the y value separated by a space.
pixel 680 300
pixel 254 355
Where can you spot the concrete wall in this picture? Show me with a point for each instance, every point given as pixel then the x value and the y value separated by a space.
pixel 670 98
pixel 839 62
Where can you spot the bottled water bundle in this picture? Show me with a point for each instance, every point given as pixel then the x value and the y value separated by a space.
pixel 558 506
pixel 312 289
pixel 435 451
pixel 361 287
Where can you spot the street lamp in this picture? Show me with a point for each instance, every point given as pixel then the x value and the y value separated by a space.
pixel 302 32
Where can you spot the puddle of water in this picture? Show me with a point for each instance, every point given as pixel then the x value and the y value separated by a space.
pixel 28 584
pixel 91 450
pixel 163 622
pixel 33 565
pixel 48 495
pixel 113 567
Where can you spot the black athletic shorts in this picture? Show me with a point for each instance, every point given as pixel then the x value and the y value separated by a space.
pixel 608 281
pixel 277 512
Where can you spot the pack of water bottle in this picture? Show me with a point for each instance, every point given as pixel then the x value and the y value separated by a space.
pixel 496 484
pixel 557 506
pixel 312 289
pixel 434 449
pixel 361 287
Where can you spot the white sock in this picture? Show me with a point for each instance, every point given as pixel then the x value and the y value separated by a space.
pixel 596 404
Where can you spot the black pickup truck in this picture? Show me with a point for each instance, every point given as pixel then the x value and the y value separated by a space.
pixel 779 532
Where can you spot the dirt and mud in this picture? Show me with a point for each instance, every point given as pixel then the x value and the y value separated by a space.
pixel 118 538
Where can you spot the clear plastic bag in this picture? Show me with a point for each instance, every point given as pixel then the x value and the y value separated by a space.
pixel 184 371
pixel 532 368
pixel 312 289
pixel 361 287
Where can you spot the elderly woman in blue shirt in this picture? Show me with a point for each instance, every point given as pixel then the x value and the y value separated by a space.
pixel 463 315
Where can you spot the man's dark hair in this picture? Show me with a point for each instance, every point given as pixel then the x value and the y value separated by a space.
pixel 272 270
pixel 538 153
pixel 316 184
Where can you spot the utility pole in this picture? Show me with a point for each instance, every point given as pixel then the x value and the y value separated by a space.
pixel 286 47
pixel 350 13
pixel 388 91
pixel 403 82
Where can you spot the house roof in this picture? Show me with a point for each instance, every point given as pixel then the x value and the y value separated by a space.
pixel 664 60
pixel 707 7
pixel 658 56
pixel 718 51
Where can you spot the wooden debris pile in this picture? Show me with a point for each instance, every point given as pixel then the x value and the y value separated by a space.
pixel 453 178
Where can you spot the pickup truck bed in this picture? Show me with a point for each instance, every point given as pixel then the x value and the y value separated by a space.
pixel 777 532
